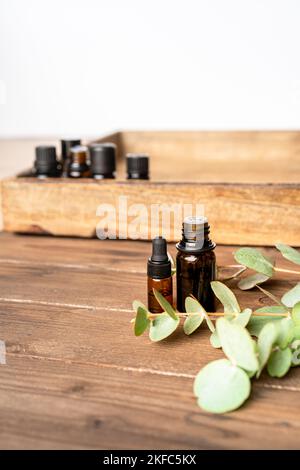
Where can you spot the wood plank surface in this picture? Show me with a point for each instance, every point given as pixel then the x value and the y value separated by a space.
pixel 76 377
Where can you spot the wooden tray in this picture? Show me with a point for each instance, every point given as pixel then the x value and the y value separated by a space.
pixel 248 183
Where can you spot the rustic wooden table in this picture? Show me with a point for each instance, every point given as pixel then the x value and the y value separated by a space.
pixel 76 377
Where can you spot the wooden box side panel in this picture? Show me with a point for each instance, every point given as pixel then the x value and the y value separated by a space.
pixel 230 157
pixel 238 214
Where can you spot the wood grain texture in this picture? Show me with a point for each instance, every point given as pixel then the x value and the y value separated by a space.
pixel 50 404
pixel 248 183
pixel 219 157
pixel 238 213
pixel 76 377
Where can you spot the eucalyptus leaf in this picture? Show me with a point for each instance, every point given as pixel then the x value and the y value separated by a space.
pixel 221 387
pixel 266 340
pixel 193 306
pixel 136 304
pixel 243 318
pixel 296 314
pixel 165 305
pixel 285 332
pixel 292 297
pixel 141 321
pixel 256 323
pixel 226 297
pixel 295 353
pixel 277 309
pixel 209 323
pixel 162 327
pixel 214 340
pixel 192 323
pixel 237 344
pixel 289 253
pixel 297 332
pixel 280 362
pixel 251 281
pixel 254 259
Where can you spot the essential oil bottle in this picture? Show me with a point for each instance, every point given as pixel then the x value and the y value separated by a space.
pixel 159 274
pixel 103 160
pixel 195 264
pixel 66 145
pixel 46 164
pixel 137 166
pixel 77 165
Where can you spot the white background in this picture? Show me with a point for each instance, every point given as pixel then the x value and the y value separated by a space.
pixel 90 66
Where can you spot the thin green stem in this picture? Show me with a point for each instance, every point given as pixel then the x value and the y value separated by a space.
pixel 152 316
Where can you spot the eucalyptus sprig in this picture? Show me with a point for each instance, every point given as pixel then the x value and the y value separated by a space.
pixel 264 266
pixel 224 385
pixel 268 338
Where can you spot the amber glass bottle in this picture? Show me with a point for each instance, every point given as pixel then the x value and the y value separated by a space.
pixel 195 264
pixel 77 166
pixel 66 145
pixel 159 274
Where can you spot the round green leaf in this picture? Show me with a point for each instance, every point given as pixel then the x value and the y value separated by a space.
pixel 221 387
pixel 256 323
pixel 226 297
pixel 297 332
pixel 295 352
pixel 193 306
pixel 266 340
pixel 285 332
pixel 165 305
pixel 136 304
pixel 251 281
pixel 254 259
pixel 289 253
pixel 292 297
pixel 162 327
pixel 192 323
pixel 141 321
pixel 214 340
pixel 237 344
pixel 243 318
pixel 296 314
pixel 280 362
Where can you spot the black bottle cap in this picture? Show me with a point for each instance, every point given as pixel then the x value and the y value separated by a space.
pixel 103 159
pixel 45 160
pixel 195 235
pixel 66 145
pixel 137 166
pixel 159 264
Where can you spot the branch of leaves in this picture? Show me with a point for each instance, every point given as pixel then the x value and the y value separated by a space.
pixel 164 324
pixel 224 385
pixel 263 265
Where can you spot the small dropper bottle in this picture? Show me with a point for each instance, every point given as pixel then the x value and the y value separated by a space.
pixel 159 274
